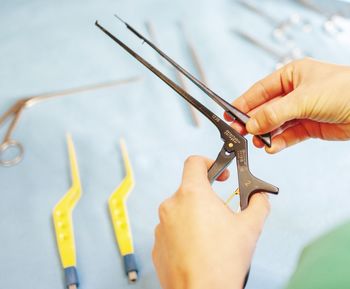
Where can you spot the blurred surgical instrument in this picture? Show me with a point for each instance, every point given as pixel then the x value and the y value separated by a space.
pixel 335 24
pixel 194 56
pixel 282 59
pixel 17 109
pixel 179 76
pixel 279 32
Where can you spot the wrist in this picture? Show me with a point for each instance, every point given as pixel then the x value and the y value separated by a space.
pixel 212 280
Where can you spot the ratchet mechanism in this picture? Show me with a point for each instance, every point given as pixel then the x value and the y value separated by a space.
pixel 235 145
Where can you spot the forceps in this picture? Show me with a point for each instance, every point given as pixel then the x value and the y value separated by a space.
pixel 17 109
pixel 235 145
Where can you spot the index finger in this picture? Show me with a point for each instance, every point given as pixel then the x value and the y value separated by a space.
pixel 278 83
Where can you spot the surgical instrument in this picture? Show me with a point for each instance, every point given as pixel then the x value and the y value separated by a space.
pixel 179 76
pixel 62 217
pixel 232 111
pixel 280 27
pixel 234 146
pixel 335 24
pixel 279 32
pixel 282 59
pixel 194 56
pixel 119 216
pixel 17 109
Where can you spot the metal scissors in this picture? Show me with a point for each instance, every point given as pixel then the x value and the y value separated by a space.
pixel 235 145
pixel 17 109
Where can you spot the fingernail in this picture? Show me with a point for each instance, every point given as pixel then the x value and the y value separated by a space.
pixel 253 126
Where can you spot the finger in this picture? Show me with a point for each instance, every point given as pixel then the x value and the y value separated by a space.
pixel 258 142
pixel 227 117
pixel 273 115
pixel 276 84
pixel 196 171
pixel 223 176
pixel 257 211
pixel 239 127
pixel 289 137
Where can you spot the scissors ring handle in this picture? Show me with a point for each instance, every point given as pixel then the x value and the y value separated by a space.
pixel 18 156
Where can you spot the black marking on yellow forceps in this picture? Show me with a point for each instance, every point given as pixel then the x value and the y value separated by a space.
pixel 235 145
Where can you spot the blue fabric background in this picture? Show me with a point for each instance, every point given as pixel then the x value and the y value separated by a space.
pixel 52 45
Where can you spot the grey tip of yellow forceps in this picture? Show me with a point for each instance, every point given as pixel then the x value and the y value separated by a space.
pixel 132 276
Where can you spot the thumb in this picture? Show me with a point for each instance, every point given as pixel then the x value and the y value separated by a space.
pixel 274 114
pixel 196 171
pixel 257 211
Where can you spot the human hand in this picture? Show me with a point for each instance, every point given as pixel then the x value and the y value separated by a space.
pixel 200 242
pixel 305 99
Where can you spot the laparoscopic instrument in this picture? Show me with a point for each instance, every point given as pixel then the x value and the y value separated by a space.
pixel 62 217
pixel 120 219
pixel 235 145
pixel 14 113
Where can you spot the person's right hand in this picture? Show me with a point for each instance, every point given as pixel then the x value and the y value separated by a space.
pixel 305 99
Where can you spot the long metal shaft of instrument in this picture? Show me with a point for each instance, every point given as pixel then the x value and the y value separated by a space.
pixel 313 7
pixel 268 49
pixel 234 112
pixel 249 5
pixel 204 110
pixel 38 98
pixel 220 101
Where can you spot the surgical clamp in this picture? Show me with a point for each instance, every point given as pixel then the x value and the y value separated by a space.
pixel 235 145
pixel 17 109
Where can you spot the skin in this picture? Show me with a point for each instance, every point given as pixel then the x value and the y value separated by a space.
pixel 200 242
pixel 305 99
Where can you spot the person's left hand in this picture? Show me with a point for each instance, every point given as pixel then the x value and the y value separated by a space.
pixel 200 242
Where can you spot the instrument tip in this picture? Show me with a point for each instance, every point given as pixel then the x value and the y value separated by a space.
pixel 120 19
pixel 96 23
pixel 266 139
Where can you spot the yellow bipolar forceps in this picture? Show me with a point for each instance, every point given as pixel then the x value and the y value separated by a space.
pixel 16 110
pixel 62 217
pixel 120 219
